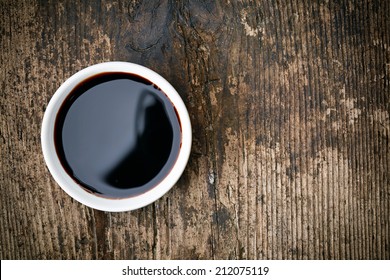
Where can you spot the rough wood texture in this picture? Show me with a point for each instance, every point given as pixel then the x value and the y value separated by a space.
pixel 289 102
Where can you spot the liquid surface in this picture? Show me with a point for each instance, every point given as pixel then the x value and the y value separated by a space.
pixel 117 135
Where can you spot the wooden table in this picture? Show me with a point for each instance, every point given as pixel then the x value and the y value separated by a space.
pixel 289 102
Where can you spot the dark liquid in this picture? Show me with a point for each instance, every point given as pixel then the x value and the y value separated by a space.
pixel 117 135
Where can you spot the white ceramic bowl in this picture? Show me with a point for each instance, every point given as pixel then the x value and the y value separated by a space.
pixel 75 190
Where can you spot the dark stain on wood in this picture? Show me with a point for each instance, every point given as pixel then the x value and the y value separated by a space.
pixel 289 103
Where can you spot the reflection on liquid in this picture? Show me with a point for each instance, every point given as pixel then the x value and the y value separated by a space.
pixel 151 149
pixel 119 137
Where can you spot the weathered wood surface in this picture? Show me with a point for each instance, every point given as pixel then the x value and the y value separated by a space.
pixel 289 102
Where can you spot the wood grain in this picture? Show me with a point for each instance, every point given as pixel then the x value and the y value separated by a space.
pixel 289 102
